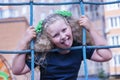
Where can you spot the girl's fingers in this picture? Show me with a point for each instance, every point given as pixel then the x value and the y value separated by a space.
pixel 31 29
pixel 34 36
pixel 83 19
pixel 82 22
pixel 84 16
pixel 34 33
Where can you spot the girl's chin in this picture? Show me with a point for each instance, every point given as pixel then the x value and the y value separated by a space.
pixel 64 51
pixel 66 47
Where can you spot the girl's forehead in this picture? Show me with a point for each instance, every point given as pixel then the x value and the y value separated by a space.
pixel 57 24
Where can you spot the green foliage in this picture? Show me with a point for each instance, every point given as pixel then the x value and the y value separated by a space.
pixel 102 74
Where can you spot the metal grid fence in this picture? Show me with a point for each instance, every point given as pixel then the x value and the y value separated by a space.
pixel 31 3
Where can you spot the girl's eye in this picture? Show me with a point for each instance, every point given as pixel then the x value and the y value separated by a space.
pixel 56 35
pixel 64 30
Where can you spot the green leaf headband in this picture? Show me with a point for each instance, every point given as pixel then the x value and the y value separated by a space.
pixel 38 28
pixel 62 13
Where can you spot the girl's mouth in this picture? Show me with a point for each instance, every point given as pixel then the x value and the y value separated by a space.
pixel 65 42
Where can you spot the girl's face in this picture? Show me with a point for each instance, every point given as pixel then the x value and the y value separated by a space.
pixel 60 34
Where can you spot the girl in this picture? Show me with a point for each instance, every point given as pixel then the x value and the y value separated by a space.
pixel 60 30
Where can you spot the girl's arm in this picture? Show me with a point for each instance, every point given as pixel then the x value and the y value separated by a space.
pixel 99 54
pixel 19 65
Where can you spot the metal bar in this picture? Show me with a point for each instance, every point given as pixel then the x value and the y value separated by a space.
pixel 31 3
pixel 103 3
pixel 54 50
pixel 57 4
pixel 32 42
pixel 84 43
pixel 14 51
pixel 14 4
pixel 69 3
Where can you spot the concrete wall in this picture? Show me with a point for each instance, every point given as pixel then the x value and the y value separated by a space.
pixel 11 31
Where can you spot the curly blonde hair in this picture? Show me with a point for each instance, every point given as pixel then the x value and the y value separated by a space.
pixel 43 43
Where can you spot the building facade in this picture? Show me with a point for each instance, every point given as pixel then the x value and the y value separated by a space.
pixel 96 13
pixel 112 23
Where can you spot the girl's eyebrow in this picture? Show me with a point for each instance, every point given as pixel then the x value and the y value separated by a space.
pixel 54 34
pixel 51 34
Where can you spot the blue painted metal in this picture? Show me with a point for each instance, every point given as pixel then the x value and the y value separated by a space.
pixel 84 42
pixel 53 50
pixel 69 3
pixel 32 42
pixel 81 2
pixel 60 3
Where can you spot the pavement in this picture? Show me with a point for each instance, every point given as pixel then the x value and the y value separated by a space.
pixel 89 78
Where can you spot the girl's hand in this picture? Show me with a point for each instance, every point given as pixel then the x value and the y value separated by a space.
pixel 29 34
pixel 85 22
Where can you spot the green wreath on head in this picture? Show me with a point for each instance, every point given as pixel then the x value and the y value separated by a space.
pixel 38 28
pixel 64 13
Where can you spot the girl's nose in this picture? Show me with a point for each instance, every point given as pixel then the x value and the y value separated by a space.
pixel 62 36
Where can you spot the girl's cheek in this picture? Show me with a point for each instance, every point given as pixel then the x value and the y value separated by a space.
pixel 56 40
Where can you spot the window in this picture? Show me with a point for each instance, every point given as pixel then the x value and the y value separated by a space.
pixel 42 0
pixel 117 60
pixel 112 6
pixel 12 13
pixel 6 14
pixel 113 22
pixel 114 40
pixel 24 10
pixel 11 0
pixel 6 1
pixel 119 40
pixel 63 7
pixel 108 26
pixel 109 40
pixel 16 13
pixel 118 22
pixel 118 4
pixel 1 1
pixel 51 1
pixel 1 13
pixel 42 16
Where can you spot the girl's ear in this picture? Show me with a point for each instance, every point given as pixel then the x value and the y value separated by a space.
pixel 42 44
